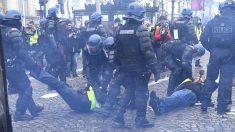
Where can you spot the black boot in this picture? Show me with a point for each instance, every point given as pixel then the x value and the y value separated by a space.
pixel 141 122
pixel 118 121
pixel 37 110
pixel 204 106
pixel 22 117
pixel 154 102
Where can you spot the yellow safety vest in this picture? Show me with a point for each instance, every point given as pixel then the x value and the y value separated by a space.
pixel 33 39
pixel 198 31
pixel 91 97
pixel 185 81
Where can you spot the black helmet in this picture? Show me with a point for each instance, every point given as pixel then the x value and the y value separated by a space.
pixel 13 19
pixel 187 12
pixel 200 50
pixel 12 15
pixel 108 42
pixel 135 11
pixel 53 12
pixel 43 23
pixel 94 44
pixel 96 17
pixel 227 4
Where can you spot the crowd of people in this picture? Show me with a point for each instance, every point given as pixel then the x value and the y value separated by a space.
pixel 125 57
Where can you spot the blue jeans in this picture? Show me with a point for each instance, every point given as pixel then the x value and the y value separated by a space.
pixel 181 98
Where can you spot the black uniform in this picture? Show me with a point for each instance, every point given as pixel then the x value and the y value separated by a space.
pixel 16 60
pixel 179 61
pixel 183 30
pixel 92 28
pixel 134 54
pixel 218 38
pixel 56 34
pixel 183 35
pixel 94 67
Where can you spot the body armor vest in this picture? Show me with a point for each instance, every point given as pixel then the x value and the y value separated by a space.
pixel 222 32
pixel 128 49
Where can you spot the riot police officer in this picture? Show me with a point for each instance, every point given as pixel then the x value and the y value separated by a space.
pixel 179 61
pixel 93 26
pixel 183 34
pixel 183 28
pixel 95 60
pixel 56 34
pixel 134 54
pixel 16 59
pixel 218 38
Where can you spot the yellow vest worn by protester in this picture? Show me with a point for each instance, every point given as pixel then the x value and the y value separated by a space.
pixel 185 81
pixel 33 39
pixel 198 31
pixel 91 97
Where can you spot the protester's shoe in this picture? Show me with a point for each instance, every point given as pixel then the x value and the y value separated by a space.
pixel 22 117
pixel 142 123
pixel 204 106
pixel 154 103
pixel 37 111
pixel 118 121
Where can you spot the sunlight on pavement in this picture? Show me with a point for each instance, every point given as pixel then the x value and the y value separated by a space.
pixel 50 95
pixel 159 81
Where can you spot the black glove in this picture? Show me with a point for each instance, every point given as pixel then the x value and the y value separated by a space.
pixel 156 76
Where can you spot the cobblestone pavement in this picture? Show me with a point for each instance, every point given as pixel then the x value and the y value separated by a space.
pixel 58 117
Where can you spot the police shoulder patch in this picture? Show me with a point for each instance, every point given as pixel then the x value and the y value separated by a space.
pixel 126 31
pixel 14 29
pixel 180 22
pixel 90 29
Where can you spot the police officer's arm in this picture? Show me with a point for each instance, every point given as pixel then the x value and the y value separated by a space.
pixel 50 26
pixel 205 37
pixel 17 41
pixel 102 31
pixel 191 33
pixel 187 60
pixel 147 50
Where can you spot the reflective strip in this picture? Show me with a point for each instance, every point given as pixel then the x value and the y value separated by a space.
pixel 198 32
pixel 91 97
pixel 185 81
pixel 176 33
pixel 127 32
pixel 33 39
pixel 180 22
pixel 90 29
